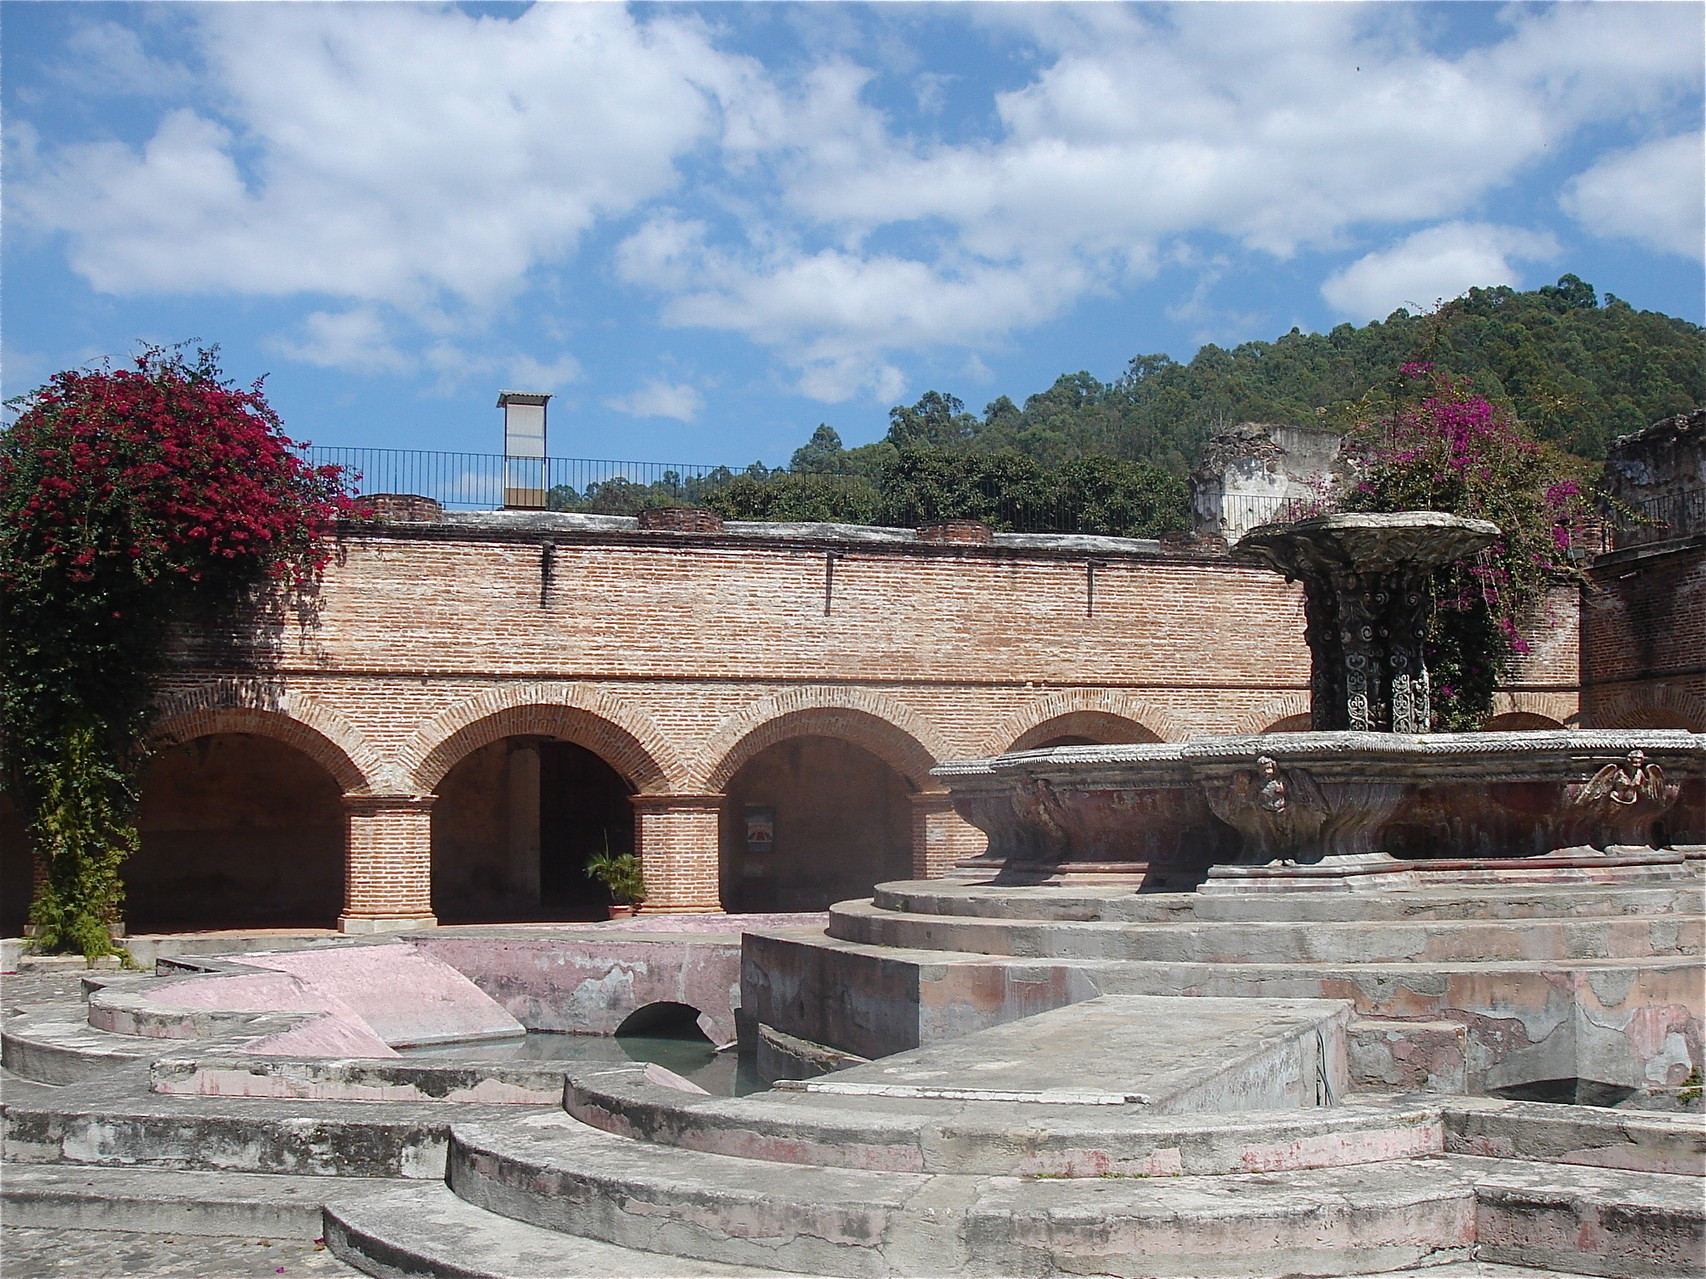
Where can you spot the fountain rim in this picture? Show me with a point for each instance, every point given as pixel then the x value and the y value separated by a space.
pixel 1550 754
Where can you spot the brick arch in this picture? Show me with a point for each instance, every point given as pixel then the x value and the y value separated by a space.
pixel 625 737
pixel 1157 724
pixel 1519 722
pixel 893 732
pixel 1662 708
pixel 1563 709
pixel 297 720
pixel 1102 727
pixel 1270 713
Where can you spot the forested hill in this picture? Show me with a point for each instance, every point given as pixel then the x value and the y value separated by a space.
pixel 1576 372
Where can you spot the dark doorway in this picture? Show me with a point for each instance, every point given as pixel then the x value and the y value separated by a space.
pixel 583 804
pixel 238 831
pixel 512 828
pixel 811 821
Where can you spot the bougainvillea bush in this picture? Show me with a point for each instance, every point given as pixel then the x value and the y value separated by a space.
pixel 129 497
pixel 1448 449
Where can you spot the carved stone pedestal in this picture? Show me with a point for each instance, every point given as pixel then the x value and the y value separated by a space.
pixel 1367 597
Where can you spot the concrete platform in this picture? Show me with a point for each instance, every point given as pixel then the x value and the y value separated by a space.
pixel 1165 1055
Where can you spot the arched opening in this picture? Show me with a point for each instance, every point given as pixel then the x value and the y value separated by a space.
pixel 238 830
pixel 812 820
pixel 1520 722
pixel 1083 728
pixel 513 825
pixel 664 1020
pixel 1302 723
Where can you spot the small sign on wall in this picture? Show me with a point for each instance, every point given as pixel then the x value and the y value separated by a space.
pixel 760 828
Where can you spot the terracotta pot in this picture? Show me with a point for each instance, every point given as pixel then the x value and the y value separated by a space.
pixel 623 912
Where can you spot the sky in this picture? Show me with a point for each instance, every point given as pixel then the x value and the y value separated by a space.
pixel 706 228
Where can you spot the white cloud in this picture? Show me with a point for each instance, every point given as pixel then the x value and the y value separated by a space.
pixel 353 340
pixel 410 169
pixel 530 374
pixel 1433 265
pixel 1651 195
pixel 383 152
pixel 112 56
pixel 658 398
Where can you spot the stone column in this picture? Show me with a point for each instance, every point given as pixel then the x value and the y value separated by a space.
pixel 524 821
pixel 677 837
pixel 388 865
pixel 1367 587
pixel 940 836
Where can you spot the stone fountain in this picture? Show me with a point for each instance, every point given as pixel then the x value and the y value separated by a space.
pixel 1367 798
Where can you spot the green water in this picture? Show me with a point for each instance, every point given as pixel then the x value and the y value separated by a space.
pixel 720 1073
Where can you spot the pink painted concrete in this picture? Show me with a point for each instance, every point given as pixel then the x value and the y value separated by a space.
pixel 407 997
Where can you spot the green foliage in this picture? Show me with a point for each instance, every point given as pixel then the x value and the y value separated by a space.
pixel 620 874
pixel 783 496
pixel 1449 449
pixel 1574 372
pixel 129 498
pixel 1009 491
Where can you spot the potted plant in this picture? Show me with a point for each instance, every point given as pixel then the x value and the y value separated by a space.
pixel 620 875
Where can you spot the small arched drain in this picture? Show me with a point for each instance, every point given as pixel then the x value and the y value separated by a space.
pixel 664 1020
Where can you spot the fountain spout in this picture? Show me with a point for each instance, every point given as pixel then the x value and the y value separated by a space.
pixel 1368 602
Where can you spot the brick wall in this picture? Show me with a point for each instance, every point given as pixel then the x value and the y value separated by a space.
pixel 1644 637
pixel 676 656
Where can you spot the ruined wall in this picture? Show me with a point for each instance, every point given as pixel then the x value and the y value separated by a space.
pixel 1644 622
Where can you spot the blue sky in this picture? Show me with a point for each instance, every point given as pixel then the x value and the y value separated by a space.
pixel 707 228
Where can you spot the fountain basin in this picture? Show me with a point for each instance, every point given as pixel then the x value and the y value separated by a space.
pixel 1170 812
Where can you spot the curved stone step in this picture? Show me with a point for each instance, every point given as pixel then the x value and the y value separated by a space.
pixel 1121 903
pixel 1628 1225
pixel 73 1196
pixel 53 1043
pixel 1285 942
pixel 995 1138
pixel 424 1229
pixel 118 1122
pixel 554 1172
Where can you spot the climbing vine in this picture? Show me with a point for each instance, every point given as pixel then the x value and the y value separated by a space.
pixel 129 497
pixel 1445 448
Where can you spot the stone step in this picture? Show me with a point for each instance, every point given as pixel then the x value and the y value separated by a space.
pixel 817 989
pixel 53 1043
pixel 118 1122
pixel 1285 942
pixel 86 1197
pixel 1121 903
pixel 424 1229
pixel 553 1172
pixel 996 1138
pixel 1601 1221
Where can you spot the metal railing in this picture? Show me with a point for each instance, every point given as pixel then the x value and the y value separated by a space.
pixel 490 481
pixel 1658 519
